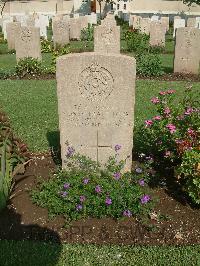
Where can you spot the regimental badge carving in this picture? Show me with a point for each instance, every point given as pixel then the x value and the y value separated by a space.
pixel 95 83
pixel 107 36
pixel 26 35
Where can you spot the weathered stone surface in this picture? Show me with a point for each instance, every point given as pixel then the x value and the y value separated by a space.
pixel 75 29
pixel 131 18
pixel 178 23
pixel 27 43
pixel 83 22
pixel 41 23
pixel 155 18
pixel 145 25
pixel 157 34
pixel 59 5
pixel 60 32
pixel 107 38
pixel 136 22
pixel 12 30
pixel 96 96
pixel 187 50
pixel 191 22
pixel 165 22
pixel 92 18
pixel 30 21
pixel 4 23
pixel 109 20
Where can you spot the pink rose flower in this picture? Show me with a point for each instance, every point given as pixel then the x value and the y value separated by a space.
pixel 157 117
pixel 148 123
pixel 155 100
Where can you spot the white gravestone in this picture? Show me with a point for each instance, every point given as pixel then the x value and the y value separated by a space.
pixel 178 23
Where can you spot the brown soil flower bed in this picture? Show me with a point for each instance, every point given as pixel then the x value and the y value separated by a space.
pixel 164 77
pixel 178 225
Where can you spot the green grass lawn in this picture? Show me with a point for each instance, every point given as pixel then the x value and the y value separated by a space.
pixel 32 107
pixel 27 253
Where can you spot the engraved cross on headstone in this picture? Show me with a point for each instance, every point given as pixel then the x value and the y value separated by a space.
pixel 99 146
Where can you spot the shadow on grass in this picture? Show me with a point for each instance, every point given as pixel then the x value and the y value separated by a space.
pixel 53 138
pixel 18 246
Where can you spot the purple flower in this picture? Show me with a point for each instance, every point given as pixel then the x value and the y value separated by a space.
pixel 86 181
pixel 117 147
pixel 127 213
pixel 145 198
pixel 138 170
pixel 70 151
pixel 82 198
pixel 141 182
pixel 98 189
pixel 79 207
pixel 117 175
pixel 63 193
pixel 108 201
pixel 66 185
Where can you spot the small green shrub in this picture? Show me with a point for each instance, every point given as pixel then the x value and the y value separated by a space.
pixel 87 34
pixel 28 67
pixel 156 49
pixel 86 189
pixel 46 46
pixel 136 42
pixel 149 65
pixel 172 138
pixel 189 171
pixel 59 51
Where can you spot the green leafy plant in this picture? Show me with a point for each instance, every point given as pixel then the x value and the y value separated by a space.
pixel 86 189
pixel 174 130
pixel 136 42
pixel 59 51
pixel 156 49
pixel 4 74
pixel 149 65
pixel 13 153
pixel 46 46
pixel 87 34
pixel 28 66
pixel 189 173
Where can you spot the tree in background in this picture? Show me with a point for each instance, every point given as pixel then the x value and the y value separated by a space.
pixel 190 2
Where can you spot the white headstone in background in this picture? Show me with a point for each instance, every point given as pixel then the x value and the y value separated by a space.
pixel 178 23
pixel 76 15
pixel 145 25
pixel 107 38
pixel 197 25
pixel 39 23
pixel 165 22
pixel 187 51
pixel 155 18
pixel 5 22
pixel 92 19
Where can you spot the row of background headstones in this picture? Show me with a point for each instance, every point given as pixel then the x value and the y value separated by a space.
pixel 104 42
pixel 39 20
